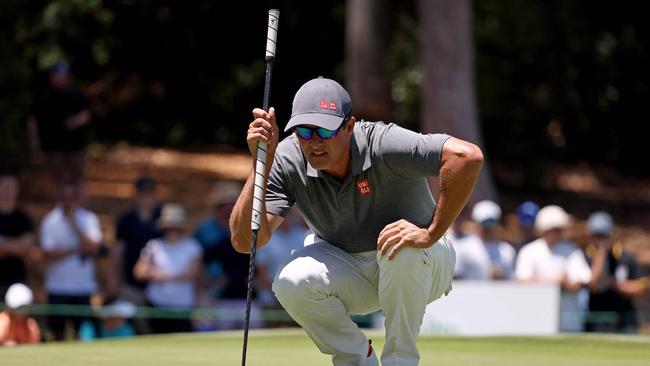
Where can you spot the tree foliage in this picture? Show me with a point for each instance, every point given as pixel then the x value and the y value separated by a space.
pixel 563 81
pixel 556 80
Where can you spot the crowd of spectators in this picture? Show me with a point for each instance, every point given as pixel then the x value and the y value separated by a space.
pixel 598 279
pixel 158 265
pixel 159 262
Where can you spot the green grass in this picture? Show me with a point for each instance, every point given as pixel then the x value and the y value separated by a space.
pixel 293 348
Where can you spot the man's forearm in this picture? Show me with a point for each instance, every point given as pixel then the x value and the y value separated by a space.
pixel 18 247
pixel 240 219
pixel 458 176
pixel 55 255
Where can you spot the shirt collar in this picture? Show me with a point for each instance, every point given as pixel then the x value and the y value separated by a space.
pixel 359 152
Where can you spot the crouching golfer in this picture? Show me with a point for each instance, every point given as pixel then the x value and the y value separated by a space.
pixel 378 240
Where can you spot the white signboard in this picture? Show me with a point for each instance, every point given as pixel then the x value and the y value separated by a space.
pixel 494 308
pixel 480 308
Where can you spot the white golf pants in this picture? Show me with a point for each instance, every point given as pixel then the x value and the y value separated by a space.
pixel 321 285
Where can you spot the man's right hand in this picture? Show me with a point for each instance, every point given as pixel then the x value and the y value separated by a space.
pixel 263 129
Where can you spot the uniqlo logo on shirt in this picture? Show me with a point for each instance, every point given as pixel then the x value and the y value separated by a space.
pixel 364 187
pixel 328 104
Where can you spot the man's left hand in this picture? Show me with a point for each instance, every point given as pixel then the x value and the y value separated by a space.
pixel 400 234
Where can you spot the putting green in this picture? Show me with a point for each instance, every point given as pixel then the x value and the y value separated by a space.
pixel 293 348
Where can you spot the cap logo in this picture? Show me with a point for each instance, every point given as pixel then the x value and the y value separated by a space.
pixel 328 104
pixel 363 187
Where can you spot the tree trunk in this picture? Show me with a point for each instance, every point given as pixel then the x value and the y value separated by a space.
pixel 448 101
pixel 367 34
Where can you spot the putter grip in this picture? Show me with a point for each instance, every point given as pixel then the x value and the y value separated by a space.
pixel 258 194
pixel 272 33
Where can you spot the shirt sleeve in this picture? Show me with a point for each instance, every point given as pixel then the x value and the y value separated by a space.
pixel 92 227
pixel 48 241
pixel 524 266
pixel 411 154
pixel 634 270
pixel 149 248
pixel 279 198
pixel 577 268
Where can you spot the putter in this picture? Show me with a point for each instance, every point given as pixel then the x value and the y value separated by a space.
pixel 260 169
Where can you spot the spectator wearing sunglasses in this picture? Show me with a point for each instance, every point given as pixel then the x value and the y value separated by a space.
pixel 378 241
pixel 617 279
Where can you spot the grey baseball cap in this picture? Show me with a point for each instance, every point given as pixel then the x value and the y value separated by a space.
pixel 600 222
pixel 320 102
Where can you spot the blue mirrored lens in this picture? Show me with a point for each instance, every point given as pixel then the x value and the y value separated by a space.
pixel 325 133
pixel 304 133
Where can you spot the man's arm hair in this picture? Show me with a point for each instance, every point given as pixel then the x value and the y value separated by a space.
pixel 460 165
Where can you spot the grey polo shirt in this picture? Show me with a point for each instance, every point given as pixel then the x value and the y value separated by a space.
pixel 387 182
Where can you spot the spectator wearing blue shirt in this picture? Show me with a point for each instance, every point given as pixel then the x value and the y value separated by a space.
pixel 225 270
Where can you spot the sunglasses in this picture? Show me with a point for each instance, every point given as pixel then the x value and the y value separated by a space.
pixel 307 133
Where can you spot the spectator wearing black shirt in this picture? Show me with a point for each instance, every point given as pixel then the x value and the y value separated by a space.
pixel 135 228
pixel 16 236
pixel 58 127
pixel 616 280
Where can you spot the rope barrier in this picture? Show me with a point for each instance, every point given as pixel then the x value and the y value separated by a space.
pixel 269 315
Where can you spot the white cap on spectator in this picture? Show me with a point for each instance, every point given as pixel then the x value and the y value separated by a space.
pixel 18 295
pixel 600 223
pixel 486 213
pixel 172 216
pixel 551 217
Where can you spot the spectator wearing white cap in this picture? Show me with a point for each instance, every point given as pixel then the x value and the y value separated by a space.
pixel 616 279
pixel 484 256
pixel 171 265
pixel 553 259
pixel 17 327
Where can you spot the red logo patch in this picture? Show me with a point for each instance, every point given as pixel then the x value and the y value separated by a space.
pixel 363 186
pixel 328 104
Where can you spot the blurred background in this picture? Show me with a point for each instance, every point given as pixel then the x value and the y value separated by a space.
pixel 555 93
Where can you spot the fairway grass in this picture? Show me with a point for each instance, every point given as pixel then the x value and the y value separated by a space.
pixel 293 348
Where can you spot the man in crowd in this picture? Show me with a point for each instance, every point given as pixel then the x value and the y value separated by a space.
pixel 552 259
pixel 484 256
pixel 134 229
pixel 616 279
pixel 16 235
pixel 58 127
pixel 70 238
